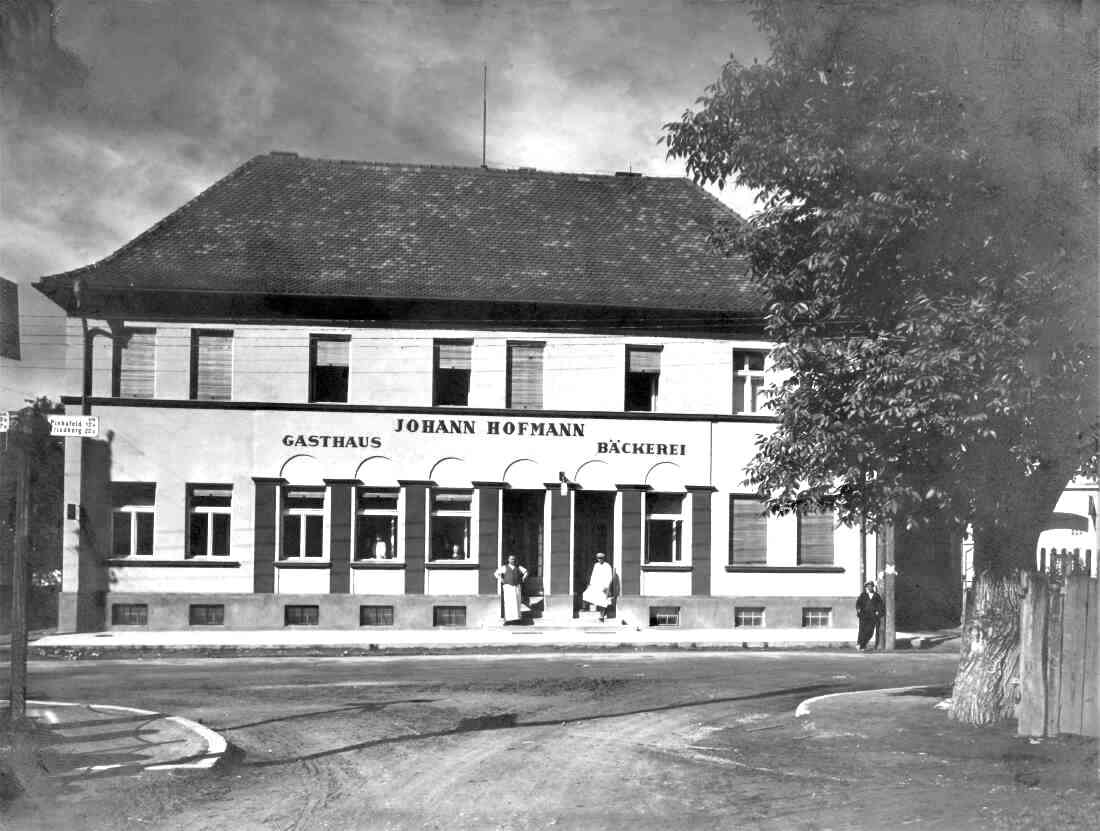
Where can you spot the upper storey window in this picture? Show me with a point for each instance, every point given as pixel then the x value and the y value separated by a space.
pixel 211 365
pixel 451 373
pixel 525 376
pixel 643 372
pixel 328 368
pixel 748 381
pixel 134 363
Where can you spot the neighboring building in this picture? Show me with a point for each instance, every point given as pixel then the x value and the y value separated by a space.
pixel 9 320
pixel 1069 542
pixel 336 393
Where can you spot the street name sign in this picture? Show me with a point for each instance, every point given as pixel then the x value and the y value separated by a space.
pixel 71 425
pixel 62 425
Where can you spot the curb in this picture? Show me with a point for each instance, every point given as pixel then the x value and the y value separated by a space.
pixel 121 651
pixel 216 745
pixel 804 708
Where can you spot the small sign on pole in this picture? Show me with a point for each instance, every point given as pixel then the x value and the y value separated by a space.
pixel 61 425
pixel 80 426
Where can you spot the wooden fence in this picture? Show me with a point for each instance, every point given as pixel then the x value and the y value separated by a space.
pixel 1065 562
pixel 1059 656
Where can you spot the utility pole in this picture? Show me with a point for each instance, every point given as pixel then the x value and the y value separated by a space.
pixel 17 697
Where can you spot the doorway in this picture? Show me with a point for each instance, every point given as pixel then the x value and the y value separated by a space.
pixel 521 533
pixel 593 530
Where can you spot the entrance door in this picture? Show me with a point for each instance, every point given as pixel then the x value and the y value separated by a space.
pixel 593 530
pixel 521 533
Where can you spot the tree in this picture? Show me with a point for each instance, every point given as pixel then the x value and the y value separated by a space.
pixel 47 466
pixel 927 248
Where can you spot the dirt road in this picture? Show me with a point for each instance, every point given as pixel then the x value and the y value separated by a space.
pixel 659 741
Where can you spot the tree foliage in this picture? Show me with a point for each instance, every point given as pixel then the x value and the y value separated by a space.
pixel 47 473
pixel 927 245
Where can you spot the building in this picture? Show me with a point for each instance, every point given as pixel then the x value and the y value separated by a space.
pixel 1070 540
pixel 335 393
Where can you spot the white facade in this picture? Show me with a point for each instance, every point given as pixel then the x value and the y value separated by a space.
pixel 387 436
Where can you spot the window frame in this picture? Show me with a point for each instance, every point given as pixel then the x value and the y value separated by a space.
pixel 119 347
pixel 117 613
pixel 209 512
pixel 144 506
pixel 509 395
pixel 383 611
pixel 393 514
pixel 654 379
pixel 435 514
pixel 750 381
pixel 314 608
pixel 802 557
pixel 314 392
pixel 438 387
pixel 678 527
pixel 761 558
pixel 809 612
pixel 192 608
pixel 196 337
pixel 286 511
pixel 756 614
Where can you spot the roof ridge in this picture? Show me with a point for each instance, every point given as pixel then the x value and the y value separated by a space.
pixel 471 168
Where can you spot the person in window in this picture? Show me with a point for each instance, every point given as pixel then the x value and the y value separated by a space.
pixel 870 609
pixel 381 550
pixel 601 586
pixel 511 576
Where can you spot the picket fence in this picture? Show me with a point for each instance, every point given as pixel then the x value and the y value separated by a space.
pixel 1059 656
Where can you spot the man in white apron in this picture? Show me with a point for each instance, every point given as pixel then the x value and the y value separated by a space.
pixel 511 577
pixel 600 585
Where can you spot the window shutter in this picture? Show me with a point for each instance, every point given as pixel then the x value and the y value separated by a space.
pixel 330 352
pixel 137 361
pixel 815 539
pixel 748 531
pixel 644 360
pixel 525 362
pixel 213 366
pixel 452 355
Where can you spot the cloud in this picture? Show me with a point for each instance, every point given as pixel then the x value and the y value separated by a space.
pixel 137 105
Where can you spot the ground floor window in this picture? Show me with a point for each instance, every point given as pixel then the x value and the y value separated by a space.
pixel 664 615
pixel 206 614
pixel 376 615
pixel 132 518
pixel 450 524
pixel 303 523
pixel 376 524
pixel 664 527
pixel 817 617
pixel 294 615
pixel 448 615
pixel 208 512
pixel 751 617
pixel 129 614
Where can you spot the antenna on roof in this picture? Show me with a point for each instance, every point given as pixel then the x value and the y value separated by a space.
pixel 484 110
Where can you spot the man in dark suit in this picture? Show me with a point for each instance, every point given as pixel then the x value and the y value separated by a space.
pixel 870 609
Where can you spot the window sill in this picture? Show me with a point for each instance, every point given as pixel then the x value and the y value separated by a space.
pixel 452 565
pixel 311 563
pixel 665 567
pixel 746 569
pixel 194 562
pixel 378 564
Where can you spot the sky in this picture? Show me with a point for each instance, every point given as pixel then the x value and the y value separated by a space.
pixel 139 105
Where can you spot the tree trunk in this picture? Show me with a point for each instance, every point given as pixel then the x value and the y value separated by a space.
pixel 988 673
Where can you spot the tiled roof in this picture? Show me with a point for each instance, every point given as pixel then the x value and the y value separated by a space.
pixel 285 225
